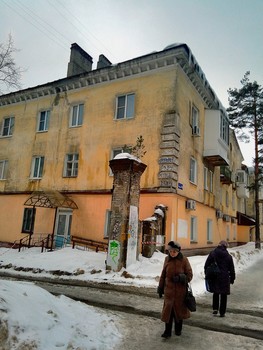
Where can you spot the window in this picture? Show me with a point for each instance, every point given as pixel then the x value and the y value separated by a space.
pixel 233 201
pixel 8 126
pixel 43 121
pixel 227 199
pixel 211 181
pixel 234 232
pixel 125 106
pixel 195 116
pixel 193 227
pixel 37 167
pixel 76 118
pixel 193 169
pixel 205 178
pixel 71 165
pixel 28 220
pixel 124 149
pixel 227 232
pixel 116 151
pixel 209 230
pixel 3 169
pixel 107 224
pixel 224 129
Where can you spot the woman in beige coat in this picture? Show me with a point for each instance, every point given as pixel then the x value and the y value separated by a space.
pixel 176 273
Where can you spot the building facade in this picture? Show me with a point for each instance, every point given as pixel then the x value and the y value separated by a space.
pixel 57 140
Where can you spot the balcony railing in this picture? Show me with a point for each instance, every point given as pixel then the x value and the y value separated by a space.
pixel 226 175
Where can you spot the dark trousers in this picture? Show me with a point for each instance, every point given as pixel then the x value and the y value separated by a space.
pixel 178 325
pixel 220 302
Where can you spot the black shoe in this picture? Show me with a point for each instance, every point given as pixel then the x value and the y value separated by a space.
pixel 178 333
pixel 166 335
pixel 222 315
pixel 215 312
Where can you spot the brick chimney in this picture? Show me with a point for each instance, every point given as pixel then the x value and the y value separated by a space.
pixel 103 62
pixel 80 61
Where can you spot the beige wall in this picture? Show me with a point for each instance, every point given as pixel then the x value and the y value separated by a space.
pixel 94 140
pixel 167 90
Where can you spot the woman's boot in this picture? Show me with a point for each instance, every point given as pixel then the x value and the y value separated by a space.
pixel 178 325
pixel 168 331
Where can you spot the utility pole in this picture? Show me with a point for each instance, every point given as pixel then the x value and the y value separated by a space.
pixel 257 218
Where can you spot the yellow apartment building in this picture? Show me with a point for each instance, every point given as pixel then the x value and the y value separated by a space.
pixel 57 140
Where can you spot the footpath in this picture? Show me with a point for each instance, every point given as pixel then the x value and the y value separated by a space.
pixel 140 309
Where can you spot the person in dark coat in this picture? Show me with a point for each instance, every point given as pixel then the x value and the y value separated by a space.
pixel 220 286
pixel 176 273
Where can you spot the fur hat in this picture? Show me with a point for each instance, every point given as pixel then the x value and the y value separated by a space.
pixel 174 245
pixel 223 243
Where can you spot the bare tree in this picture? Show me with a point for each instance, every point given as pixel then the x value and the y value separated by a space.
pixel 10 73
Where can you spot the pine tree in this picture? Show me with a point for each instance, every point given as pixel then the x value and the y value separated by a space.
pixel 246 116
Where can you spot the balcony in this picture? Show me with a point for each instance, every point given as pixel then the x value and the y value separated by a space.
pixel 215 147
pixel 226 175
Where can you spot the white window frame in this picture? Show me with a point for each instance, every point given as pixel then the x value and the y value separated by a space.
pixel 234 226
pixel 37 167
pixel 8 126
pixel 193 229
pixel 3 169
pixel 227 232
pixel 43 120
pixel 206 178
pixel 209 230
pixel 125 106
pixel 233 201
pixel 227 199
pixel 195 116
pixel 193 170
pixel 107 223
pixel 224 128
pixel 211 181
pixel 115 152
pixel 71 165
pixel 76 115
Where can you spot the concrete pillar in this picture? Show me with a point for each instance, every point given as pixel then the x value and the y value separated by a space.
pixel 123 235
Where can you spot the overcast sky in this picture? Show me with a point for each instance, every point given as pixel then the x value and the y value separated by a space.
pixel 225 36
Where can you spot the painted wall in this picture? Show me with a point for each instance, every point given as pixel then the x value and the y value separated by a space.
pixel 165 90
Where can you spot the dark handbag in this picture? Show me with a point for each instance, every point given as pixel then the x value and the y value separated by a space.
pixel 189 300
pixel 212 271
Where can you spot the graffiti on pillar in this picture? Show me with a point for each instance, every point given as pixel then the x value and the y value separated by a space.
pixel 113 254
pixel 132 236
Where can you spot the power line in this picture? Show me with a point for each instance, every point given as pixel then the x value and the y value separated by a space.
pixel 77 19
pixel 33 24
pixel 39 19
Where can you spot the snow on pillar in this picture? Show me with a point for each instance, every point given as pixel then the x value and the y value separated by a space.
pixel 123 235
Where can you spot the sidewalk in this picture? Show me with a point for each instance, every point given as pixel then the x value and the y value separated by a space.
pixel 240 320
pixel 139 309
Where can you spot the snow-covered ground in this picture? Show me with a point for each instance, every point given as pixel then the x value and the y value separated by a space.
pixel 32 318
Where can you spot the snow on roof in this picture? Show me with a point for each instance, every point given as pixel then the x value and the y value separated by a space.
pixel 152 218
pixel 127 155
pixel 173 45
pixel 159 212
